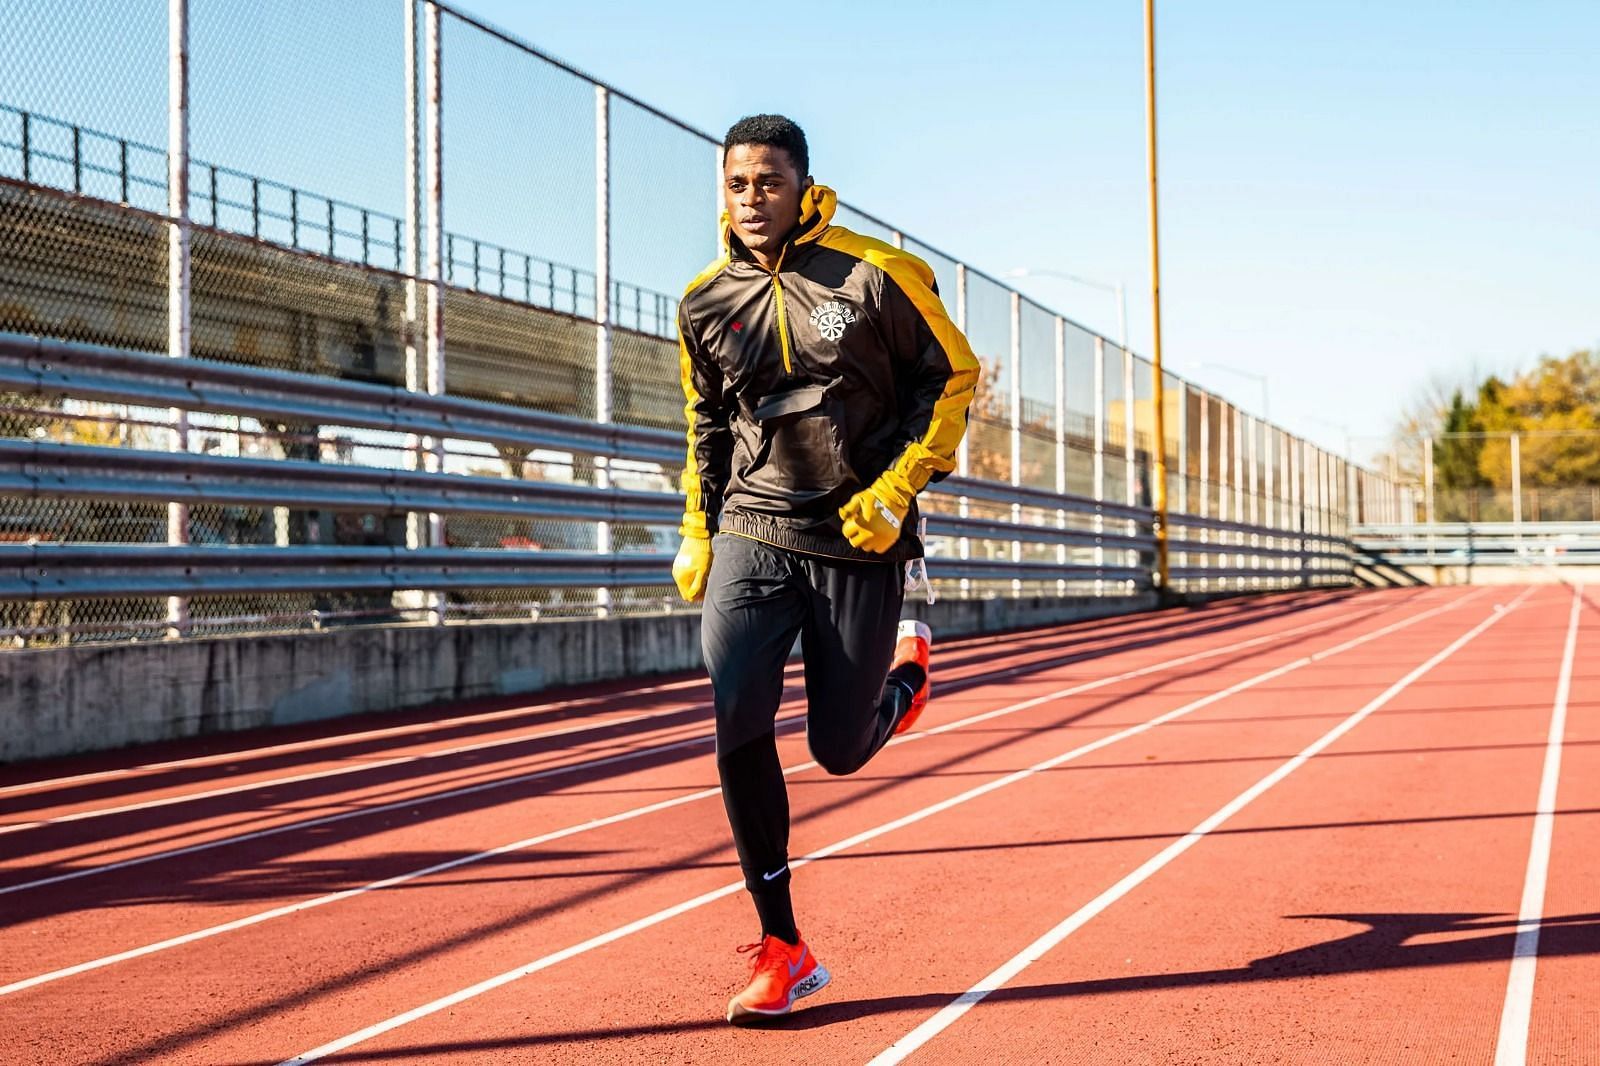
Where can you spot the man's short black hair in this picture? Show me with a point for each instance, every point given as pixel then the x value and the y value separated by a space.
pixel 774 131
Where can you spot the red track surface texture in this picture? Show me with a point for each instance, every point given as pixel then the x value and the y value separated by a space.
pixel 1320 828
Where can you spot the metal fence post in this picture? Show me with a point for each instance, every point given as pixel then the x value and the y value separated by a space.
pixel 1130 432
pixel 1183 460
pixel 1297 513
pixel 1254 461
pixel 1183 447
pixel 178 273
pixel 433 366
pixel 1516 487
pixel 1236 432
pixel 1330 491
pixel 1204 479
pixel 1061 437
pixel 1269 495
pixel 1099 464
pixel 416 531
pixel 1016 423
pixel 1130 429
pixel 963 451
pixel 602 308
pixel 1241 484
pixel 1353 497
pixel 1427 491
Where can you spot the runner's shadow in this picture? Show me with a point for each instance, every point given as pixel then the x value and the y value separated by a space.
pixel 1384 944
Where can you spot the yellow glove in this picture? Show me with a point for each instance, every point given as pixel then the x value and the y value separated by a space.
pixel 693 565
pixel 872 517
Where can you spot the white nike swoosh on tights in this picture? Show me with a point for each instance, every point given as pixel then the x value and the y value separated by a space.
pixel 776 873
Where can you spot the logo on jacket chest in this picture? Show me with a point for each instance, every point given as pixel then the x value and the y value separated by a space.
pixel 831 318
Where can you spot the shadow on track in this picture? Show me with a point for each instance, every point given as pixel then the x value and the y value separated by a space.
pixel 279 842
pixel 621 696
pixel 1383 944
pixel 530 916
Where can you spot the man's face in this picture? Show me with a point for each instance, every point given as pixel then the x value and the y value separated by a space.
pixel 762 191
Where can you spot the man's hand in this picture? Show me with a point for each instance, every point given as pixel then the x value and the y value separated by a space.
pixel 692 566
pixel 873 516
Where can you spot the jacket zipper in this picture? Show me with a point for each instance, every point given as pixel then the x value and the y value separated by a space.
pixel 783 322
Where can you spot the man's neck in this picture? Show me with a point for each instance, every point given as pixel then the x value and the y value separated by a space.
pixel 768 262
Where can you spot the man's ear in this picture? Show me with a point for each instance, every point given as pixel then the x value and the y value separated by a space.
pixel 810 181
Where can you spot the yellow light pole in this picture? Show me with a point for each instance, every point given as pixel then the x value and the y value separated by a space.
pixel 1159 466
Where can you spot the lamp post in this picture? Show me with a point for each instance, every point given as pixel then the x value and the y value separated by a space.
pixel 1122 308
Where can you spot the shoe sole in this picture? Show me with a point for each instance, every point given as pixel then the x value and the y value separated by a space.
pixel 815 981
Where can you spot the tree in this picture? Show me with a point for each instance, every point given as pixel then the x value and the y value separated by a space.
pixel 1554 408
pixel 1455 458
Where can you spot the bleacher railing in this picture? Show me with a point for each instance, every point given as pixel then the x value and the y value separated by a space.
pixel 1094 543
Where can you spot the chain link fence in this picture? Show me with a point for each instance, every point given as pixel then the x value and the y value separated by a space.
pixel 1484 477
pixel 419 199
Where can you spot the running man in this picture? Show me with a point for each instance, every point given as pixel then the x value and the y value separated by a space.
pixel 825 388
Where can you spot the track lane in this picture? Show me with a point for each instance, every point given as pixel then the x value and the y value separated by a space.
pixel 575 975
pixel 1360 911
pixel 80 796
pixel 599 885
pixel 1565 1013
pixel 238 822
pixel 370 853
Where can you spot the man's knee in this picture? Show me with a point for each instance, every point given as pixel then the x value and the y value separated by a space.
pixel 837 756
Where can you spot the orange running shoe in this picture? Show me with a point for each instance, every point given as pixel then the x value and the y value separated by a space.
pixel 912 641
pixel 780 975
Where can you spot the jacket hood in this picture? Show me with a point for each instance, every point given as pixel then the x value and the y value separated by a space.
pixel 817 207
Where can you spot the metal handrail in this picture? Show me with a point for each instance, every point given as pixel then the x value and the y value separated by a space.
pixel 87 571
pixel 45 367
pixel 48 469
pixel 1456 529
pixel 1300 577
pixel 1478 544
pixel 1187 521
pixel 49 369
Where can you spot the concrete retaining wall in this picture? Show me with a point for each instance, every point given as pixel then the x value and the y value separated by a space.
pixel 61 701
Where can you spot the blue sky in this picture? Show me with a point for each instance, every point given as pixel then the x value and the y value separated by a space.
pixel 1356 195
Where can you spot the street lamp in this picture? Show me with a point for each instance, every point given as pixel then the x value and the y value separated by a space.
pixel 1122 310
pixel 1260 379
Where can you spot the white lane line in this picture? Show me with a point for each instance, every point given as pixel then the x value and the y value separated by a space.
pixel 948 1016
pixel 315 775
pixel 863 837
pixel 243 838
pixel 637 812
pixel 1516 1015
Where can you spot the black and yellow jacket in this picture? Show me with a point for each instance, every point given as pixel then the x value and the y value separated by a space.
pixel 806 383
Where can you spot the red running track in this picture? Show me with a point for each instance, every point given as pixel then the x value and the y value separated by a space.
pixel 1322 827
